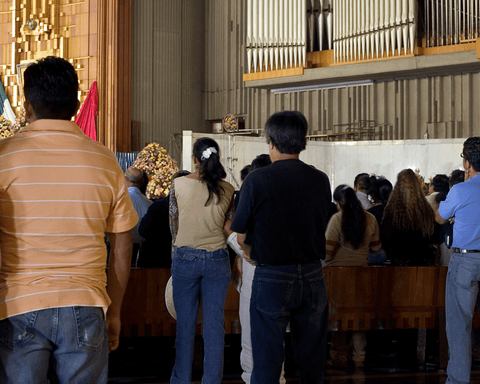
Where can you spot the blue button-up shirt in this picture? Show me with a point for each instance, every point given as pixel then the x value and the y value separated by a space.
pixel 141 204
pixel 463 203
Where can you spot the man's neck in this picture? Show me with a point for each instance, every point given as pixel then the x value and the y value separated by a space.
pixel 473 174
pixel 275 156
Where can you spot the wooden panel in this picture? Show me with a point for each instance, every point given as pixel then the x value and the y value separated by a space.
pixel 273 74
pixel 385 297
pixel 114 70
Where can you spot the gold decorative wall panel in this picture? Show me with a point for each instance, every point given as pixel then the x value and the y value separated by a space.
pixel 95 36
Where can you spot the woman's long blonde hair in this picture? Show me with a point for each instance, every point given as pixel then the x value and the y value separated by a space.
pixel 408 206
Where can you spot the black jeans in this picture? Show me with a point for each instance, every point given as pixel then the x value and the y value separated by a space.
pixel 294 294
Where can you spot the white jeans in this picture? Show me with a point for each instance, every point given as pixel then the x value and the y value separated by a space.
pixel 246 359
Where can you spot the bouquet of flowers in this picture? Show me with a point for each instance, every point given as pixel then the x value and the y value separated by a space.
pixel 7 128
pixel 421 179
pixel 159 167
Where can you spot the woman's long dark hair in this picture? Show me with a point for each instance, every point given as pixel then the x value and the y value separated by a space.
pixel 353 215
pixel 408 206
pixel 210 169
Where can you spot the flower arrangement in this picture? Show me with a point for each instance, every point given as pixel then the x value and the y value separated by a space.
pixel 421 179
pixel 7 128
pixel 159 167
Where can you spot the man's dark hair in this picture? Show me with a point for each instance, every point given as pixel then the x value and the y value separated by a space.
pixel 380 189
pixel 286 130
pixel 245 171
pixel 51 87
pixel 261 161
pixel 441 183
pixel 457 176
pixel 471 152
pixel 362 181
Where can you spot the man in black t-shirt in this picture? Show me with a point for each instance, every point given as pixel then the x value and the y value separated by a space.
pixel 284 209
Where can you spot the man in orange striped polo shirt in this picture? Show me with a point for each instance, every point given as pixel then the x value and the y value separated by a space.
pixel 60 194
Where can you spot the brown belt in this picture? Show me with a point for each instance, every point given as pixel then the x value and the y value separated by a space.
pixel 459 250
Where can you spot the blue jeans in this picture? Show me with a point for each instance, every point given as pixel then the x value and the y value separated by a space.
pixel 68 344
pixel 199 274
pixel 460 298
pixel 283 294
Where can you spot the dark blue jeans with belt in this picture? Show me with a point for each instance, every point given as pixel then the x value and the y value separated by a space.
pixel 294 294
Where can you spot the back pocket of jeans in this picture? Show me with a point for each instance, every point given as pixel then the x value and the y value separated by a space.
pixel 319 293
pixel 183 263
pixel 464 275
pixel 16 331
pixel 91 327
pixel 221 263
pixel 272 296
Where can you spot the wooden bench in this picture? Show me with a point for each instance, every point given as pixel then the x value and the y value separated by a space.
pixel 360 298
pixel 144 312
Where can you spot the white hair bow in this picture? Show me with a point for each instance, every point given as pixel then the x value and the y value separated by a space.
pixel 207 152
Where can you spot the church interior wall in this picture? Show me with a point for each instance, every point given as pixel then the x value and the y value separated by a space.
pixel 168 51
pixel 406 108
pixel 343 160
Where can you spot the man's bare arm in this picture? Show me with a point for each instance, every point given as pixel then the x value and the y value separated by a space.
pixel 117 279
pixel 439 219
pixel 246 248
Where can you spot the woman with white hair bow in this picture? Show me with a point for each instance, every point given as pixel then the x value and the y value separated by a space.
pixel 200 204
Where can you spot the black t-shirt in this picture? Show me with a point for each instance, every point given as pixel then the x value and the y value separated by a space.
pixel 284 208
pixel 155 251
pixel 406 247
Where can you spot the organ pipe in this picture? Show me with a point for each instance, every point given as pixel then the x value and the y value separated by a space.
pixel 280 32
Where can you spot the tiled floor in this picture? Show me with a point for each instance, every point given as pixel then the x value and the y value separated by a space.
pixel 390 359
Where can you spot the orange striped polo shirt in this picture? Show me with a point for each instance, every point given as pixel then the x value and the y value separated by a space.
pixel 60 192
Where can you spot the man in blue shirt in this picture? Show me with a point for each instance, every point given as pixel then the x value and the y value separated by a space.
pixel 134 181
pixel 463 203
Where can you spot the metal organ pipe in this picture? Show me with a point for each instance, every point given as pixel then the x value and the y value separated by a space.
pixel 310 24
pixel 320 24
pixel 381 26
pixel 260 34
pixel 328 11
pixel 376 27
pixel 249 35
pixel 367 28
pixel 279 32
pixel 266 30
pixel 303 39
pixel 392 25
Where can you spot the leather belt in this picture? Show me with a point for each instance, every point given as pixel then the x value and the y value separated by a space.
pixel 459 250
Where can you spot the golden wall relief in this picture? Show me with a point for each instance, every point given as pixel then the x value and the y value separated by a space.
pixel 32 29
